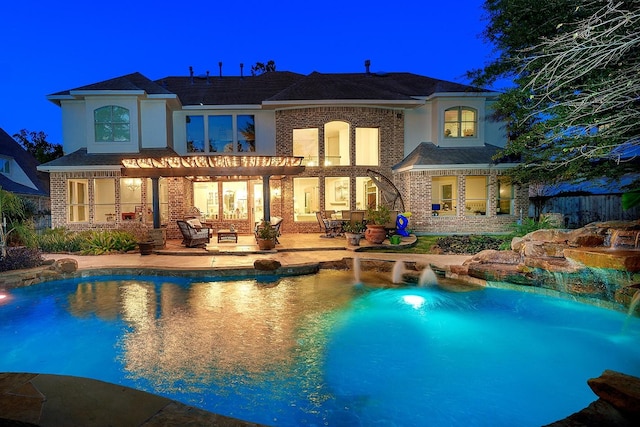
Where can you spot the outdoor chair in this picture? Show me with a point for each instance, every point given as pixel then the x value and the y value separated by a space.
pixel 276 223
pixel 331 228
pixel 193 237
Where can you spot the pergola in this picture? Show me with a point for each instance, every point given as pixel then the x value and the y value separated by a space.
pixel 212 168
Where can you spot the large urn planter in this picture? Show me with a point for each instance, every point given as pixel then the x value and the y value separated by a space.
pixel 375 234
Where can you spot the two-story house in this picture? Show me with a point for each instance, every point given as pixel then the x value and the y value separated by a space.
pixel 143 153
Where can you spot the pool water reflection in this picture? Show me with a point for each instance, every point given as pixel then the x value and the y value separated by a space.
pixel 317 350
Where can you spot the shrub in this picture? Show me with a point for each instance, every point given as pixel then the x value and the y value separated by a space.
pixel 59 240
pixel 87 242
pixel 21 257
pixel 107 241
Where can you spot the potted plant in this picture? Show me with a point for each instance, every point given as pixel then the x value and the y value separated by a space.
pixel 354 231
pixel 266 236
pixel 376 221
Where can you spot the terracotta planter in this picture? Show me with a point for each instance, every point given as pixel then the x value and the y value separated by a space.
pixel 266 244
pixel 375 233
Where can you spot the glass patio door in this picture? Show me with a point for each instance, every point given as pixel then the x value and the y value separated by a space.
pixel 258 206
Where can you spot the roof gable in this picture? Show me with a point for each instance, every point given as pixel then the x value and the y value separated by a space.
pixel 428 154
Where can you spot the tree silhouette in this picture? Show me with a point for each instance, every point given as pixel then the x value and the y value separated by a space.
pixel 36 144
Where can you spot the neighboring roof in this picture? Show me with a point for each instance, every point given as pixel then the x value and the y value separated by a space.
pixel 279 86
pixel 9 147
pixel 82 158
pixel 427 154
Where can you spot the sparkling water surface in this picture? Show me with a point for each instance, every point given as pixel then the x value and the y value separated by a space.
pixel 318 350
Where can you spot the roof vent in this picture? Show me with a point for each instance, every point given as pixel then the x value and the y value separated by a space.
pixel 220 65
pixel 367 64
pixel 207 76
pixel 191 74
pixel 241 67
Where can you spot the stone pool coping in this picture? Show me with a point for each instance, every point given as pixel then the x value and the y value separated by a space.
pixel 28 399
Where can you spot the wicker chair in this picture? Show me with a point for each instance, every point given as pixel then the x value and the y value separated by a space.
pixel 191 236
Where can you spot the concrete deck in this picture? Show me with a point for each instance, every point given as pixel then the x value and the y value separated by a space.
pixel 28 399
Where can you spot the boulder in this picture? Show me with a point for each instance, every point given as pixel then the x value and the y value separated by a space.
pixel 65 265
pixel 266 264
pixel 517 243
pixel 501 273
pixel 620 390
pixel 543 249
pixel 553 265
pixel 495 257
pixel 586 236
pixel 548 235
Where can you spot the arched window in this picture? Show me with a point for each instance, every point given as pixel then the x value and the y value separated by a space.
pixel 112 124
pixel 460 122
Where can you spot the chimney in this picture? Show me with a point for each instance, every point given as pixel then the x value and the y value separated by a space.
pixel 220 65
pixel 241 73
pixel 367 63
pixel 191 74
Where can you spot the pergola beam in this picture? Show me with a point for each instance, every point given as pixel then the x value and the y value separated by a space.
pixel 230 172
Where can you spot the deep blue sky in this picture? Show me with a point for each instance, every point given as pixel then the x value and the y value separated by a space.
pixel 47 47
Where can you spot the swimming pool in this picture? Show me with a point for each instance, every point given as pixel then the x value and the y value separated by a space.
pixel 318 350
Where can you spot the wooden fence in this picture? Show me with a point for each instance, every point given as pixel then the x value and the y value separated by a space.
pixel 581 210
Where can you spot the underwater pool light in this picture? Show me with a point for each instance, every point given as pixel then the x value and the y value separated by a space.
pixel 416 301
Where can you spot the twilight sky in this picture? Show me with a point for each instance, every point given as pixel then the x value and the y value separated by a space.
pixel 47 47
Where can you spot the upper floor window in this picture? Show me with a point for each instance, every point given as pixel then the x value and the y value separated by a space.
pixel 305 144
pixel 367 143
pixel 5 166
pixel 195 134
pixel 112 124
pixel 224 133
pixel 336 144
pixel 460 122
pixel 246 133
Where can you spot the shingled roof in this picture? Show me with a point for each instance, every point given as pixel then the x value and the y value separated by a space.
pixel 9 147
pixel 279 86
pixel 133 81
pixel 372 86
pixel 428 154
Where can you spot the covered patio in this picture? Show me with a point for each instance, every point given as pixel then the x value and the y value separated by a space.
pixel 289 242
pixel 202 169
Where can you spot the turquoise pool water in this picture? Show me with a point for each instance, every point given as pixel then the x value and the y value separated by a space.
pixel 319 350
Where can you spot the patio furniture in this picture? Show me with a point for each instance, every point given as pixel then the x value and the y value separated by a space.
pixel 331 227
pixel 193 237
pixel 227 236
